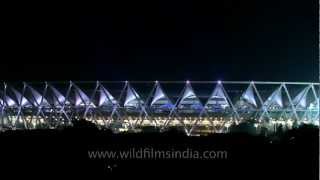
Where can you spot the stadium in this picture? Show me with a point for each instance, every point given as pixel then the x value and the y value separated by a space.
pixel 194 106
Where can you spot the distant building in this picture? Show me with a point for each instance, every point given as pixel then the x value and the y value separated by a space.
pixel 118 105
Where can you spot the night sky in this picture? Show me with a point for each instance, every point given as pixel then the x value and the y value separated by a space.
pixel 267 40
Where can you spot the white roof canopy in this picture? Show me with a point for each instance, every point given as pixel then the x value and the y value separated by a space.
pixel 81 99
pixel 132 98
pixel 218 98
pixel 105 97
pixel 248 95
pixel 22 101
pixel 189 97
pixel 301 99
pixel 160 95
pixel 37 97
pixel 275 98
pixel 58 98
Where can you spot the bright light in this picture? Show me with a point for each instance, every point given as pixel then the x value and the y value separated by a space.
pixel 219 82
pixel 290 122
pixel 227 125
pixel 188 82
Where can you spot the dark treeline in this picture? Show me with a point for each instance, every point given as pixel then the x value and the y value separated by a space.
pixel 64 152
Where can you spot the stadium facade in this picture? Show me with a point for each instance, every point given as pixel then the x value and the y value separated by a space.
pixel 211 106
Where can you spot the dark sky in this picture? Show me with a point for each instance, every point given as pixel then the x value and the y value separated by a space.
pixel 161 40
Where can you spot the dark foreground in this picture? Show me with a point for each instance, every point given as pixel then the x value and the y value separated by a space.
pixel 64 153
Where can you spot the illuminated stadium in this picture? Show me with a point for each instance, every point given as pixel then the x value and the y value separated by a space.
pixel 195 106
